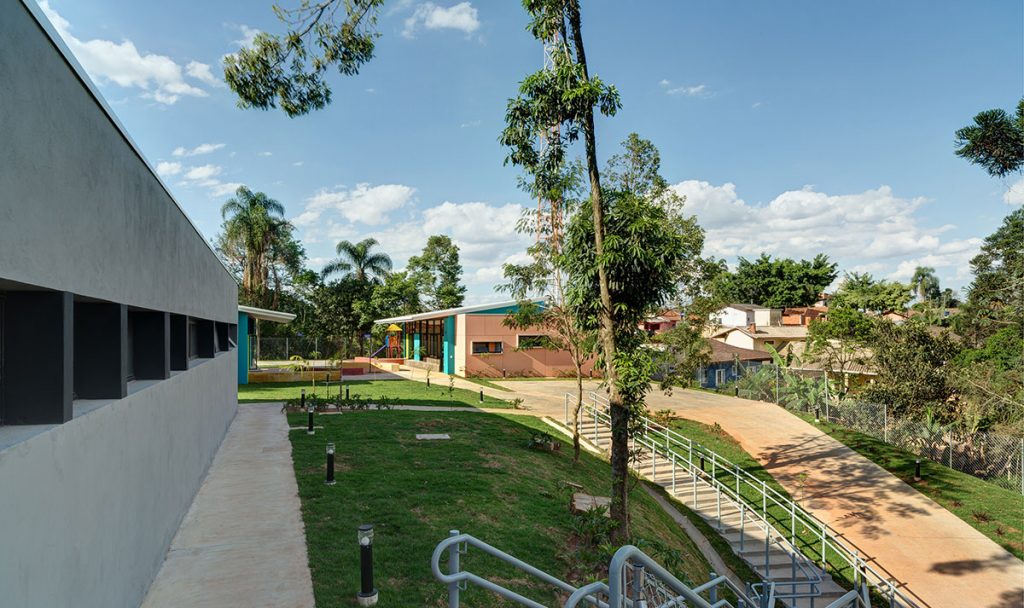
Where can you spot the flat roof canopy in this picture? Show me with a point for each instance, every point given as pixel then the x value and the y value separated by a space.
pixel 267 315
pixel 433 314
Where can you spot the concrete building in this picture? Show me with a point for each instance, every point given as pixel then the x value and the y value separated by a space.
pixel 117 339
pixel 473 341
pixel 743 315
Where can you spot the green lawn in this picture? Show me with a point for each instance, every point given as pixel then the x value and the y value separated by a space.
pixel 485 481
pixel 406 392
pixel 996 512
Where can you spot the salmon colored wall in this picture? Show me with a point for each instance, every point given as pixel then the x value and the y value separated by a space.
pixel 539 362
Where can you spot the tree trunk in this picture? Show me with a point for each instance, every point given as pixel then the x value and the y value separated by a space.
pixel 619 414
pixel 576 413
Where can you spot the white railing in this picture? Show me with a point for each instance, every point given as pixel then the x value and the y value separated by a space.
pixel 755 498
pixel 634 581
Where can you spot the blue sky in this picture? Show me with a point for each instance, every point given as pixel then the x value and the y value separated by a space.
pixel 791 127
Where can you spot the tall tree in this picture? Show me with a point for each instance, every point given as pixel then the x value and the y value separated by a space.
pixel 255 237
pixel 777 282
pixel 926 285
pixel 438 272
pixel 649 244
pixel 995 141
pixel 360 260
pixel 560 102
pixel 862 292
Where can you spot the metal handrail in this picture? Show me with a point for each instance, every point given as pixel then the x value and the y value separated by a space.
pixel 829 536
pixel 630 555
pixel 811 577
pixel 456 578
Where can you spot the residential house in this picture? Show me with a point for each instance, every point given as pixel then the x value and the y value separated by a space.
pixel 743 315
pixel 728 362
pixel 662 322
pixel 759 338
pixel 802 315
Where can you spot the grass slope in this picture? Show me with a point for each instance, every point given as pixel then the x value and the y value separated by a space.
pixel 484 482
pixel 407 392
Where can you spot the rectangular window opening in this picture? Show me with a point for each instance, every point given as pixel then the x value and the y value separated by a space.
pixel 487 348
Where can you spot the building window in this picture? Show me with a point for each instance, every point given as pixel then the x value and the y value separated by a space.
pixel 487 348
pixel 703 376
pixel 719 377
pixel 130 355
pixel 533 341
pixel 193 338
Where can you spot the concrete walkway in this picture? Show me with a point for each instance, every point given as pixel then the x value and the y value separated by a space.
pixel 242 542
pixel 942 559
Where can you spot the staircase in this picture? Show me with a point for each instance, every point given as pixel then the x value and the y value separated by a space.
pixel 759 524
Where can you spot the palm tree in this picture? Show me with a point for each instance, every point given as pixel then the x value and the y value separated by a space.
pixel 925 283
pixel 254 225
pixel 359 260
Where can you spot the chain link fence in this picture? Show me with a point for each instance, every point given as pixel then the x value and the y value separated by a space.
pixel 271 349
pixel 993 457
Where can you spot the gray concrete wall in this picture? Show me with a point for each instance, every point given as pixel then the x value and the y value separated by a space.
pixel 80 211
pixel 88 508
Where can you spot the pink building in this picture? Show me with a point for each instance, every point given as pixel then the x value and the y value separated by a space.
pixel 474 341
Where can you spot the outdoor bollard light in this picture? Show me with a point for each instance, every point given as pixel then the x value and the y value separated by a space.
pixel 503 370
pixel 330 464
pixel 302 399
pixel 702 463
pixel 817 414
pixel 481 395
pixel 736 391
pixel 367 593
pixel 346 393
pixel 309 426
pixel 917 470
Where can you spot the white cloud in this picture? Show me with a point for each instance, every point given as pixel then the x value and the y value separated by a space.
pixel 874 231
pixel 158 76
pixel 472 124
pixel 697 90
pixel 164 168
pixel 206 176
pixel 224 188
pixel 298 163
pixel 202 173
pixel 1015 195
pixel 248 35
pixel 200 149
pixel 461 16
pixel 201 71
pixel 363 204
pixel 266 153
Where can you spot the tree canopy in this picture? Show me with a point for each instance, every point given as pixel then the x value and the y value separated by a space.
pixel 995 141
pixel 861 291
pixel 360 260
pixel 437 272
pixel 777 282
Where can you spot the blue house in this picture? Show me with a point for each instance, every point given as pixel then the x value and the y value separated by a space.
pixel 726 363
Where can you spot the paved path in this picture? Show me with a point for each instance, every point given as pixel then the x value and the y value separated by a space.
pixel 242 542
pixel 939 557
